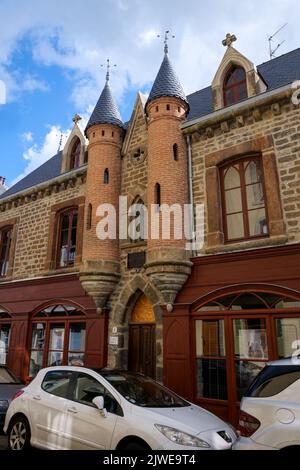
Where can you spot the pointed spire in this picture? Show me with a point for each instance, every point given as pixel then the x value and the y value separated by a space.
pixel 106 110
pixel 167 82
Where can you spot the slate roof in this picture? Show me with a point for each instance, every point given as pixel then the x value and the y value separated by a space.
pixel 166 83
pixel 276 73
pixel 106 110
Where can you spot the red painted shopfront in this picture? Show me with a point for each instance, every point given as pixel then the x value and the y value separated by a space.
pixel 236 312
pixel 50 321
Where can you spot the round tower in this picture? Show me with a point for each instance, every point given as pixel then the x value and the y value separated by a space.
pixel 167 259
pixel 100 266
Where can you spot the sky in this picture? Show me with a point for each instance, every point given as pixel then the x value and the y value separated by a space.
pixel 51 53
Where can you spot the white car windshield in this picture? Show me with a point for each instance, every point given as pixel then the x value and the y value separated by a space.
pixel 143 391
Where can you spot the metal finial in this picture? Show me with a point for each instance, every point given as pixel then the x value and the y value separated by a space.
pixel 230 38
pixel 108 66
pixel 77 118
pixel 60 142
pixel 166 39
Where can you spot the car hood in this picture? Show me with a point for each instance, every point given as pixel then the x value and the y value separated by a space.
pixel 7 391
pixel 191 419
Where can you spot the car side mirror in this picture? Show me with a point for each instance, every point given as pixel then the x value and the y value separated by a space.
pixel 99 403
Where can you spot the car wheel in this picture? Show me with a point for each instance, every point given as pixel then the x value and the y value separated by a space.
pixel 135 447
pixel 19 434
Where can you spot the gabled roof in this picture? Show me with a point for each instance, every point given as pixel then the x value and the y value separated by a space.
pixel 106 110
pixel 276 73
pixel 166 83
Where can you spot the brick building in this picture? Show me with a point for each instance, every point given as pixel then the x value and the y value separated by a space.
pixel 203 321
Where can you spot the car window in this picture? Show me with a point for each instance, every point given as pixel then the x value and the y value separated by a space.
pixel 57 383
pixel 273 380
pixel 86 388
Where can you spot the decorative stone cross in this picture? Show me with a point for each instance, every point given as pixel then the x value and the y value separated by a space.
pixel 230 38
pixel 76 118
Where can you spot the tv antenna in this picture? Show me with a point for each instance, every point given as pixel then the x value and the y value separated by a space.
pixel 272 50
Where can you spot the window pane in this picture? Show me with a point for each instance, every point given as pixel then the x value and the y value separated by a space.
pixel 237 75
pixel 233 200
pixel 77 337
pixel 232 177
pixel 36 362
pixel 76 359
pixel 4 343
pixel 255 196
pixel 250 339
pixel 235 226
pixel 288 332
pixel 210 338
pixel 55 358
pixel 38 336
pixel 245 372
pixel 87 388
pixel 211 378
pixel 287 303
pixel 57 334
pixel 258 222
pixel 252 171
pixel 57 383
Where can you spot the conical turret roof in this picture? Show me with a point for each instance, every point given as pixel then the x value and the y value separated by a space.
pixel 106 110
pixel 167 83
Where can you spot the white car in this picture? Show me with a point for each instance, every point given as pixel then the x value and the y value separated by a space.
pixel 270 412
pixel 80 408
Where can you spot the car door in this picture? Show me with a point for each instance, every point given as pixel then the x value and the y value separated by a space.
pixel 86 426
pixel 47 409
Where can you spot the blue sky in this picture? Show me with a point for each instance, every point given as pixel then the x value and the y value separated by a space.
pixel 51 51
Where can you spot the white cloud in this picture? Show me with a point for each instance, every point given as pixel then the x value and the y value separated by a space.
pixel 27 136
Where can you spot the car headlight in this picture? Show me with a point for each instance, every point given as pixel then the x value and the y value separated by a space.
pixel 180 437
pixel 3 405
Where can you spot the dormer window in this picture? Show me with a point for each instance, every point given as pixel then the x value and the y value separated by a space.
pixel 235 86
pixel 75 155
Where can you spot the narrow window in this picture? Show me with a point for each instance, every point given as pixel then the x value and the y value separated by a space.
pixel 157 194
pixel 5 247
pixel 103 133
pixel 243 200
pixel 175 152
pixel 89 217
pixel 156 109
pixel 112 134
pixel 106 176
pixel 67 238
pixel 168 107
pixel 235 86
pixel 75 155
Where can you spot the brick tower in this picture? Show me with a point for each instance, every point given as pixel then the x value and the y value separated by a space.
pixel 100 267
pixel 168 262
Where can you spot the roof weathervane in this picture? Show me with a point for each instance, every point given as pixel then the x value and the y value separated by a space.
pixel 108 67
pixel 230 38
pixel 166 39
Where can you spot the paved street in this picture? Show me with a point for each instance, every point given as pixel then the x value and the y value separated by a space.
pixel 3 442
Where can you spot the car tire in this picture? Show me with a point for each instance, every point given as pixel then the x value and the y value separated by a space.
pixel 135 446
pixel 19 434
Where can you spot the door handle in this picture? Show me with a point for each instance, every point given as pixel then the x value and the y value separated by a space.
pixel 73 410
pixel 37 397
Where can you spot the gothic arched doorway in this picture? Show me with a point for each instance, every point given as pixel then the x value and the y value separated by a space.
pixel 142 338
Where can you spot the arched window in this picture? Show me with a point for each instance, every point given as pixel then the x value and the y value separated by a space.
pixel 137 221
pixel 75 155
pixel 175 152
pixel 157 194
pixel 235 86
pixel 89 217
pixel 5 328
pixel 5 248
pixel 57 337
pixel 106 176
pixel 67 238
pixel 243 200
